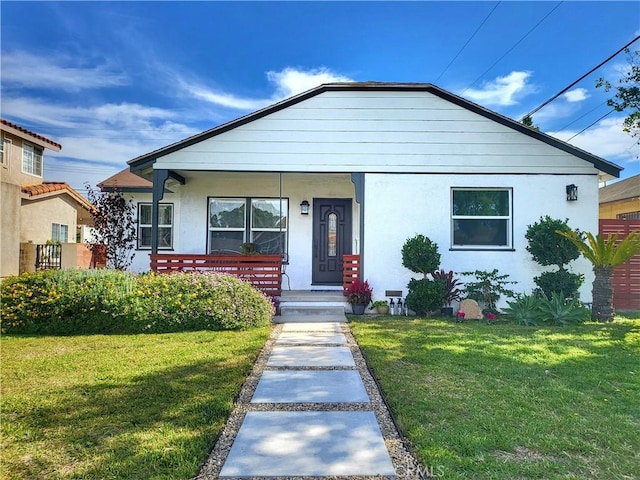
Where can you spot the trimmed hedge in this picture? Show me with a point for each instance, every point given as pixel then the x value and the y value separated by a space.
pixel 111 301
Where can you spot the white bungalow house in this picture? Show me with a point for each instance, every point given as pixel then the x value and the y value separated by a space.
pixel 357 168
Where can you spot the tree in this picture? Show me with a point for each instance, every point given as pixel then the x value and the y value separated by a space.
pixel 113 226
pixel 528 121
pixel 420 255
pixel 604 254
pixel 627 97
pixel 548 248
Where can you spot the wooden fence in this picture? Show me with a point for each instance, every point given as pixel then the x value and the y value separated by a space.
pixel 263 271
pixel 626 278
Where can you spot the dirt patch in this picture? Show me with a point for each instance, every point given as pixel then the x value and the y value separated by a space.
pixel 520 454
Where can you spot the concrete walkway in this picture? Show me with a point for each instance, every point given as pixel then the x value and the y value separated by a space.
pixel 310 408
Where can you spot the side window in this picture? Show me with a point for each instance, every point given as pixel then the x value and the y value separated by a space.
pixel 481 218
pixel 59 232
pixel 165 226
pixel 31 159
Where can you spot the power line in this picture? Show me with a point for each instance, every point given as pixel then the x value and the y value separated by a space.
pixel 513 47
pixel 583 115
pixel 467 43
pixel 590 125
pixel 581 78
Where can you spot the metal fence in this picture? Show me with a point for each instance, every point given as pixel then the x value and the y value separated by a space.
pixel 48 257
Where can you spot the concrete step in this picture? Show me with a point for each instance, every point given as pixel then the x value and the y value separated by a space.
pixel 287 309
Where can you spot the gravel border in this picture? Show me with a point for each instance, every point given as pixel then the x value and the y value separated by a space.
pixel 405 464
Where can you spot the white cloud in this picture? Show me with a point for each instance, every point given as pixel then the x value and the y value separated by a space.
pixel 291 81
pixel 605 139
pixel 287 82
pixel 503 91
pixel 576 95
pixel 22 69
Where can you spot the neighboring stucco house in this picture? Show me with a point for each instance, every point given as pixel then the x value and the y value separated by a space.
pixel 33 211
pixel 357 168
pixel 621 200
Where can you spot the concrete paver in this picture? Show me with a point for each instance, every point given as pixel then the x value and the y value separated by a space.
pixel 312 327
pixel 311 338
pixel 308 444
pixel 312 356
pixel 305 386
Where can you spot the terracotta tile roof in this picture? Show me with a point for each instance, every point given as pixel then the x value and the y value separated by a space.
pixel 623 190
pixel 125 180
pixel 54 145
pixel 38 189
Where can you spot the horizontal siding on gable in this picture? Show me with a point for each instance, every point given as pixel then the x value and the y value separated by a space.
pixel 366 131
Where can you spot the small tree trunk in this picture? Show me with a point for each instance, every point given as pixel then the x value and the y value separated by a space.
pixel 602 293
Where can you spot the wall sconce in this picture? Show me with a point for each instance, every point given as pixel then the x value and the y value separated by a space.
pixel 572 193
pixel 304 208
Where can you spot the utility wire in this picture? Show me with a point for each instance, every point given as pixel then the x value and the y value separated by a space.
pixel 590 125
pixel 467 43
pixel 581 78
pixel 583 115
pixel 513 47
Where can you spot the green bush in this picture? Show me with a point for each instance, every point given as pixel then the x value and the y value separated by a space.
pixel 424 295
pixel 560 281
pixel 538 310
pixel 420 255
pixel 111 301
pixel 524 309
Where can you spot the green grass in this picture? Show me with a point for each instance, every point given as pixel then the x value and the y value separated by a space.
pixel 510 402
pixel 120 406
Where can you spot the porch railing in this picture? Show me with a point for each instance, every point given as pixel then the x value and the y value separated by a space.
pixel 350 270
pixel 48 256
pixel 263 271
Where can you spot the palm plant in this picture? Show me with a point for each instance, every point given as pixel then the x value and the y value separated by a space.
pixel 604 254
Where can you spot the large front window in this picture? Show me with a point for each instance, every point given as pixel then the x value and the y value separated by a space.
pixel 165 225
pixel 261 221
pixel 31 159
pixel 481 218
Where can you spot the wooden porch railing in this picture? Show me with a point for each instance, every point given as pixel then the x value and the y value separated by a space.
pixel 350 270
pixel 263 271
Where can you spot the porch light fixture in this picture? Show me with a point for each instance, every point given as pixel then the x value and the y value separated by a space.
pixel 304 208
pixel 572 193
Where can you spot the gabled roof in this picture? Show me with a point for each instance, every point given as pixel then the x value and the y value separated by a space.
pixel 144 161
pixel 125 181
pixel 22 132
pixel 47 189
pixel 626 189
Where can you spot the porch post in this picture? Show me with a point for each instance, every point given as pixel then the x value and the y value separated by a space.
pixel 159 179
pixel 357 178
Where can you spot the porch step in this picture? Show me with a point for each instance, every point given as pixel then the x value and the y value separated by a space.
pixel 312 303
pixel 303 310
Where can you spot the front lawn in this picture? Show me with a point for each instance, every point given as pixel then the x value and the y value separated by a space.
pixel 511 402
pixel 119 406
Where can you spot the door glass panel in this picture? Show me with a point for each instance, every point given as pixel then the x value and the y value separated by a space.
pixel 332 229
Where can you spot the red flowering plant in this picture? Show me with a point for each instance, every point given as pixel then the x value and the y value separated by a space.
pixel 359 293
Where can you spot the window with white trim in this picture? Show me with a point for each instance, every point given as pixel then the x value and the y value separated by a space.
pixel 261 221
pixel 59 232
pixel 165 226
pixel 31 159
pixel 1 150
pixel 481 218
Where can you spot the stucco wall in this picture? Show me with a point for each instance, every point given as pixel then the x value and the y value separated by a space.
pixel 9 229
pixel 11 169
pixel 398 207
pixel 611 210
pixel 38 215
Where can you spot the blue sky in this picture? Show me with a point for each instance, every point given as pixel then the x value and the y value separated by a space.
pixel 114 80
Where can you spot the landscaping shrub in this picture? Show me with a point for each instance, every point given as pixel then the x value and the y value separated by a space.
pixel 110 301
pixel 425 295
pixel 560 281
pixel 538 310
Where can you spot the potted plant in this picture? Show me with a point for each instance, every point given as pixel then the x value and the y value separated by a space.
pixel 451 290
pixel 381 306
pixel 359 296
